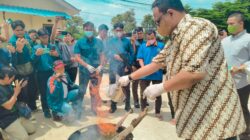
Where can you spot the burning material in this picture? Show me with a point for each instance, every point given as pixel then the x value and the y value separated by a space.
pixel 107 129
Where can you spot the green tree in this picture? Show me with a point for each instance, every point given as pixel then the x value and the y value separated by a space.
pixel 127 18
pixel 75 26
pixel 148 22
pixel 219 12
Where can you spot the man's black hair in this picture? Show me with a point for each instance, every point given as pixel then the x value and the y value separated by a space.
pixel 237 14
pixel 42 32
pixel 32 31
pixel 119 25
pixel 139 29
pixel 164 5
pixel 17 23
pixel 7 71
pixel 150 31
pixel 88 23
pixel 103 27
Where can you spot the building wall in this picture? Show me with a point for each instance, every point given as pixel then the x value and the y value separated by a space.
pixel 39 4
pixel 30 21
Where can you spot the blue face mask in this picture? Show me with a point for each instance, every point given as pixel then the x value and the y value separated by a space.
pixel 89 34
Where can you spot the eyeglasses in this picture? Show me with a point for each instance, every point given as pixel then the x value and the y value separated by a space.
pixel 158 22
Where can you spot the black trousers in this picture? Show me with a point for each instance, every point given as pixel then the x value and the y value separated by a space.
pixel 42 77
pixel 244 97
pixel 135 85
pixel 72 73
pixel 28 94
pixel 144 84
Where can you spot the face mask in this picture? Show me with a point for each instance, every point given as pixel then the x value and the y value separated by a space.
pixel 232 29
pixel 151 42
pixel 119 34
pixel 89 34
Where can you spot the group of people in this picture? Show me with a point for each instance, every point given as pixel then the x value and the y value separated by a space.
pixel 206 76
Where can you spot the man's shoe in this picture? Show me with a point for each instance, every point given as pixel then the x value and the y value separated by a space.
pixel 47 114
pixel 137 105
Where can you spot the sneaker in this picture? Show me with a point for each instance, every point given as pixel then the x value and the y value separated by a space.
pixel 57 118
pixel 137 105
pixel 147 104
pixel 127 108
pixel 112 110
pixel 47 114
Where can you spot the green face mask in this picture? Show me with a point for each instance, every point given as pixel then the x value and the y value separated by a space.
pixel 232 29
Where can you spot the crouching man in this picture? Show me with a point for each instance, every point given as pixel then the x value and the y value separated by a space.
pixel 16 127
pixel 62 94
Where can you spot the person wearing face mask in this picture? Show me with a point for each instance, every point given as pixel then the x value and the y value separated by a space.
pixel 90 56
pixel 237 53
pixel 146 53
pixel 120 56
pixel 137 39
pixel 204 94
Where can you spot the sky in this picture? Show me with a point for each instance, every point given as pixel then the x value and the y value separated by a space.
pixel 102 11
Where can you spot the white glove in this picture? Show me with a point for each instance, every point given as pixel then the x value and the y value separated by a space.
pixel 90 68
pixel 124 80
pixel 153 91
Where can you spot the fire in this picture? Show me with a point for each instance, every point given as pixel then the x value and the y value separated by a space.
pixel 106 129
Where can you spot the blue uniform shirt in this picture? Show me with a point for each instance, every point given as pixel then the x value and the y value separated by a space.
pixel 89 51
pixel 20 58
pixel 45 61
pixel 119 46
pixel 147 53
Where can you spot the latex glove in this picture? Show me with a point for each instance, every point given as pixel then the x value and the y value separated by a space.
pixel 124 80
pixel 90 68
pixel 153 91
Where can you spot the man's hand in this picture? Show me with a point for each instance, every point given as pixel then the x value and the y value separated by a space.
pixel 18 86
pixel 153 91
pixel 90 68
pixel 11 48
pixel 124 80
pixel 236 70
pixel 54 53
pixel 117 57
pixel 39 51
pixel 20 44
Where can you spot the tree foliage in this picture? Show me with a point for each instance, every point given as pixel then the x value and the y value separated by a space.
pixel 75 26
pixel 127 18
pixel 220 11
pixel 148 22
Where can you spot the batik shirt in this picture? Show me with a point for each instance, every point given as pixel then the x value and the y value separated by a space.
pixel 210 109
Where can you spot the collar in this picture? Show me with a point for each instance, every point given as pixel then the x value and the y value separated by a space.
pixel 180 25
pixel 239 34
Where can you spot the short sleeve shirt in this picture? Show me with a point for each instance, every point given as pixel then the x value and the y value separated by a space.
pixel 211 108
pixel 6 116
pixel 90 51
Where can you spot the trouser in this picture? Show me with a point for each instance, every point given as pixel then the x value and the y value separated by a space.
pixel 135 85
pixel 42 77
pixel 158 102
pixel 244 97
pixel 28 94
pixel 19 129
pixel 126 89
pixel 72 72
pixel 94 88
